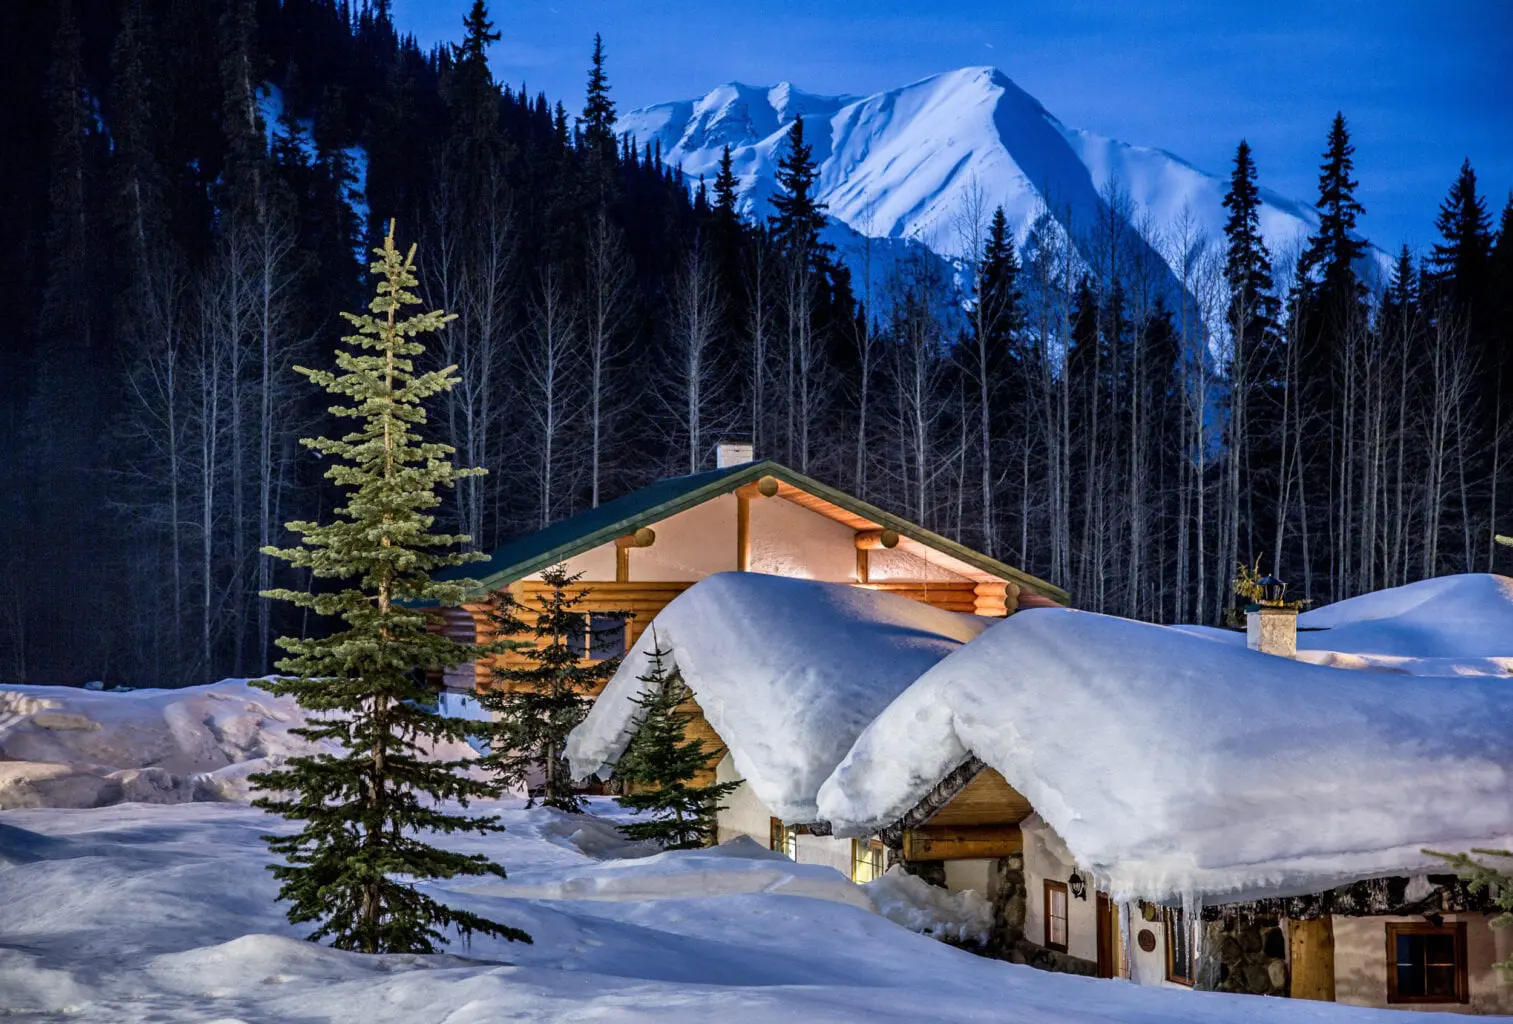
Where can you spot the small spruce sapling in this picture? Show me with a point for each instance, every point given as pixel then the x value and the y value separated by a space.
pixel 367 810
pixel 537 705
pixel 660 766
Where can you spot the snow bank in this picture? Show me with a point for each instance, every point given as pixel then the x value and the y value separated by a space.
pixel 910 901
pixel 739 866
pixel 67 747
pixel 1171 764
pixel 787 671
pixel 1468 616
pixel 134 914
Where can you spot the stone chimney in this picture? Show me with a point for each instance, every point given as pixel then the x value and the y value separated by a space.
pixel 731 453
pixel 1271 626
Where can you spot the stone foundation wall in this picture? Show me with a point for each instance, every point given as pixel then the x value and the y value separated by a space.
pixel 1247 955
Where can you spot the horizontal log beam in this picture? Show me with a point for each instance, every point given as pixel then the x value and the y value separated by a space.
pixel 962 842
pixel 645 537
pixel 873 540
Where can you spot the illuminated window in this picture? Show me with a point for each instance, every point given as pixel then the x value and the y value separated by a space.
pixel 783 838
pixel 1426 963
pixel 1179 946
pixel 1055 916
pixel 866 860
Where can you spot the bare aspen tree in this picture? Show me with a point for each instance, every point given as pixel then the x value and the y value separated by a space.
pixel 606 300
pixel 697 316
pixel 866 358
pixel 918 372
pixel 759 314
pixel 550 365
pixel 985 318
pixel 273 261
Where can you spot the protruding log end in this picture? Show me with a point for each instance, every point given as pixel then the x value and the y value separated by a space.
pixel 872 540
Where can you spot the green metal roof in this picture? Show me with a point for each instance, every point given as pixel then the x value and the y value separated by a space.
pixel 533 552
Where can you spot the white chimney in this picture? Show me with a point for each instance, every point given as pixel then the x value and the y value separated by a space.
pixel 731 453
pixel 1272 630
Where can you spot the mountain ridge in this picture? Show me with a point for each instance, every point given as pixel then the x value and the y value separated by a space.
pixel 904 163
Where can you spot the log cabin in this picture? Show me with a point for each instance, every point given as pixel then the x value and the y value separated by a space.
pixel 638 552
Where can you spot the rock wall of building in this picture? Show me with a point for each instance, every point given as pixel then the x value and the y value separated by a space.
pixel 1247 955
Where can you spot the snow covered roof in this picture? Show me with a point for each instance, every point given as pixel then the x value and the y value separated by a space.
pixel 788 672
pixel 1467 616
pixel 1447 626
pixel 1171 763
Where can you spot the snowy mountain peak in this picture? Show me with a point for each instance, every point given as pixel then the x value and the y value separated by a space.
pixel 908 163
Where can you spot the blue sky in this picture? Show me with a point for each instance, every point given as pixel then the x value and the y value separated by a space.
pixel 1422 84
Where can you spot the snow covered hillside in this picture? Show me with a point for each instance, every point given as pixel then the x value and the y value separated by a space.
pixel 137 913
pixel 903 164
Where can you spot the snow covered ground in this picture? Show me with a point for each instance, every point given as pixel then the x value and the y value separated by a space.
pixel 133 885
pixel 163 913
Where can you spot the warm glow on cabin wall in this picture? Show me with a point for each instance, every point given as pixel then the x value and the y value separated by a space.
pixel 786 540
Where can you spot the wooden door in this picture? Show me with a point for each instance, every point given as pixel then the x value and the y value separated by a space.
pixel 1108 930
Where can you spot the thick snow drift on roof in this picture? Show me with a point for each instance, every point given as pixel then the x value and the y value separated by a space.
pixel 1468 616
pixel 1174 764
pixel 787 671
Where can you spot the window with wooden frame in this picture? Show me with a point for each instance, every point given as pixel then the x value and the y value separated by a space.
pixel 1055 916
pixel 1426 963
pixel 595 636
pixel 783 838
pixel 1179 946
pixel 866 860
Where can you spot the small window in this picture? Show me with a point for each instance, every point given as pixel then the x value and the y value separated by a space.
pixel 606 635
pixel 783 838
pixel 596 636
pixel 1055 916
pixel 1179 946
pixel 866 860
pixel 1426 963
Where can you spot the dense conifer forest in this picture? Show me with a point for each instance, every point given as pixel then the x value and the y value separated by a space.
pixel 190 190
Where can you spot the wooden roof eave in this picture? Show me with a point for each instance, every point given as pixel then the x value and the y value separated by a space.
pixel 942 793
pixel 750 473
pixel 926 538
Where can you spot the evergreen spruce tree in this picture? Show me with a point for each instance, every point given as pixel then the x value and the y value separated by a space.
pixel 1500 305
pixel 599 109
pixel 798 215
pixel 726 188
pixel 1247 267
pixel 1327 265
pixel 536 706
pixel 1000 281
pixel 1257 368
pixel 660 766
pixel 1460 260
pixel 351 868
pixel 472 93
